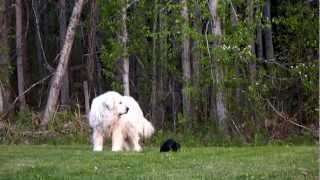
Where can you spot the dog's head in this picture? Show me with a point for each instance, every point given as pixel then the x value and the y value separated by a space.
pixel 116 106
pixel 130 102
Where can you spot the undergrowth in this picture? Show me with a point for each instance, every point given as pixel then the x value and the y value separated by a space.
pixel 71 127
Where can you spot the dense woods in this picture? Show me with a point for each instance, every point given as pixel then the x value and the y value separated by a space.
pixel 237 68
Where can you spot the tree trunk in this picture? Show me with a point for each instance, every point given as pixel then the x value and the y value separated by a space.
pixel 4 58
pixel 267 31
pixel 39 57
pixel 92 49
pixel 19 50
pixel 196 57
pixel 64 95
pixel 125 56
pixel 219 75
pixel 252 62
pixel 186 67
pixel 259 45
pixel 86 97
pixel 163 55
pixel 173 103
pixel 63 63
pixel 154 87
pixel 27 71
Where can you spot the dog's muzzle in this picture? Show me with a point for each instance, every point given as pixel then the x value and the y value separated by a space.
pixel 127 109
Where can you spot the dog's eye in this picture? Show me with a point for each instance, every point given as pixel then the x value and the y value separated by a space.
pixel 120 102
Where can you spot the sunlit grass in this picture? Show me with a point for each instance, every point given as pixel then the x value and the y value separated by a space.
pixel 79 162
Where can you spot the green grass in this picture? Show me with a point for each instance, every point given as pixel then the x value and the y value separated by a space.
pixel 79 162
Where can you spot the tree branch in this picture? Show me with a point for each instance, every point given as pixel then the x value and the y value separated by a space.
pixel 284 118
pixel 11 106
pixel 47 65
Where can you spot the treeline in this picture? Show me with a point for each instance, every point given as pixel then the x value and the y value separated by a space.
pixel 236 67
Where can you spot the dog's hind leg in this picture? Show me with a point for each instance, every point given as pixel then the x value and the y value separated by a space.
pixel 135 143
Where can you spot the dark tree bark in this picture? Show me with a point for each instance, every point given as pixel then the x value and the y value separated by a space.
pixel 154 87
pixel 195 61
pixel 163 56
pixel 4 58
pixel 19 50
pixel 267 31
pixel 63 64
pixel 27 69
pixel 173 103
pixel 64 95
pixel 86 97
pixel 92 50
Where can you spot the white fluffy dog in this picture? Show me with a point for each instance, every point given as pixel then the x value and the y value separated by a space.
pixel 120 117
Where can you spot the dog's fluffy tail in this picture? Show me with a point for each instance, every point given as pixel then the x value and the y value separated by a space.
pixel 148 129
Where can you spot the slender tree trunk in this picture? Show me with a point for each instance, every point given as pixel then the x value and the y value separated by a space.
pixel 219 75
pixel 154 87
pixel 196 56
pixel 64 95
pixel 163 55
pixel 92 49
pixel 63 64
pixel 25 27
pixel 252 64
pixel 4 58
pixel 173 103
pixel 186 65
pixel 39 57
pixel 125 56
pixel 267 31
pixel 259 45
pixel 19 50
pixel 86 97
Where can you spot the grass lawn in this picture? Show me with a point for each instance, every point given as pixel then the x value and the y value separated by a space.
pixel 78 162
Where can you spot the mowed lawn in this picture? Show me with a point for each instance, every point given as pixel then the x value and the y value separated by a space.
pixel 79 162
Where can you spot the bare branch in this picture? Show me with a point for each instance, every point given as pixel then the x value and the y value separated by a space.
pixel 47 65
pixel 284 118
pixel 26 91
pixel 234 11
pixel 129 5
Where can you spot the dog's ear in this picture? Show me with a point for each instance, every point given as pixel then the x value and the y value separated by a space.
pixel 106 106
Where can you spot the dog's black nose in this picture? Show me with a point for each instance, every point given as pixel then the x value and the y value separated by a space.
pixel 127 109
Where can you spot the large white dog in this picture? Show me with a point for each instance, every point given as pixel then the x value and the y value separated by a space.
pixel 120 117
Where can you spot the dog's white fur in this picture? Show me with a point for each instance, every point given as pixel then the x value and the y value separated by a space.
pixel 121 118
pixel 130 127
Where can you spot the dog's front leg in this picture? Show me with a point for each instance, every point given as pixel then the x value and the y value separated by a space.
pixel 97 139
pixel 117 140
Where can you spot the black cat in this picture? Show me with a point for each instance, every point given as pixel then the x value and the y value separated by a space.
pixel 170 145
